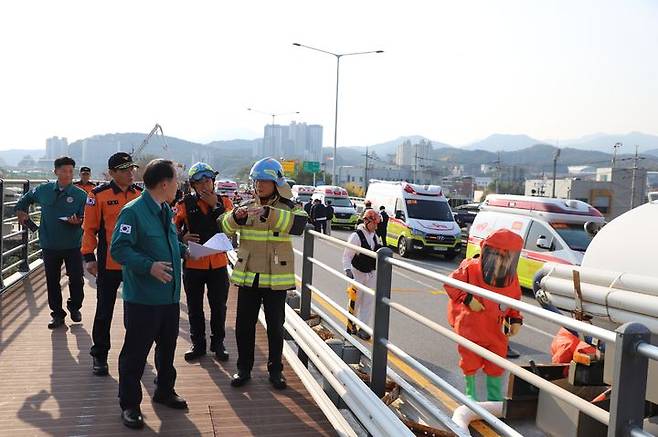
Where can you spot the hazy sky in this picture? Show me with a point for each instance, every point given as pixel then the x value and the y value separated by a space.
pixel 452 71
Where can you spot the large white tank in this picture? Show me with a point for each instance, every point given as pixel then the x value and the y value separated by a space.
pixel 628 243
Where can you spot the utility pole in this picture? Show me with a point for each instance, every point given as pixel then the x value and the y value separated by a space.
pixel 498 172
pixel 416 164
pixel 555 157
pixel 635 168
pixel 614 153
pixel 365 182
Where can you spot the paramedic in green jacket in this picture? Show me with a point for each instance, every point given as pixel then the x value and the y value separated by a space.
pixel 60 236
pixel 146 245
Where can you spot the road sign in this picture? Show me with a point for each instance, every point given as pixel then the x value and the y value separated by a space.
pixel 288 167
pixel 311 166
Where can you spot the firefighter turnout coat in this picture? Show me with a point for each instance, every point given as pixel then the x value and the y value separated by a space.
pixel 266 243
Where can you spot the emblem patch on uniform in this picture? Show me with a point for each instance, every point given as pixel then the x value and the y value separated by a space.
pixel 125 229
pixel 91 201
pixel 69 199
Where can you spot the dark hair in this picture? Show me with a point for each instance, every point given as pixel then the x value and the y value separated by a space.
pixel 157 171
pixel 64 160
pixel 382 207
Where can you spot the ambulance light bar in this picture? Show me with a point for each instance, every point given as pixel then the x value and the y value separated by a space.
pixel 552 206
pixel 427 190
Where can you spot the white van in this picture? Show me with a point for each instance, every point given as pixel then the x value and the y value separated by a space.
pixel 552 229
pixel 345 215
pixel 302 193
pixel 420 218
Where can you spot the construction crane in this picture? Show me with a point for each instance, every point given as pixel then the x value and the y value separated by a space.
pixel 135 153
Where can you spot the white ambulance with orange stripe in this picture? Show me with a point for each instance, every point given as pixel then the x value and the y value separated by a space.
pixel 552 229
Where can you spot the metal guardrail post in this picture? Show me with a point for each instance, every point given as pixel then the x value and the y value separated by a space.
pixel 307 278
pixel 380 330
pixel 629 380
pixel 2 228
pixel 25 265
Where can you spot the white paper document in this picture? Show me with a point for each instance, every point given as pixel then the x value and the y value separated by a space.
pixel 64 219
pixel 217 244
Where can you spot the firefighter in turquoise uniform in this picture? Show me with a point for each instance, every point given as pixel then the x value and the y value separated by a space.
pixel 265 267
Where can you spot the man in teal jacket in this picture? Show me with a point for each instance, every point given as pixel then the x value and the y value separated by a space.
pixel 146 245
pixel 60 236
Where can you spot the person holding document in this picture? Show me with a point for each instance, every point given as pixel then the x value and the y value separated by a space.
pixel 196 221
pixel 265 268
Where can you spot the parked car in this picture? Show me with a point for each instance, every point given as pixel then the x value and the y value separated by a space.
pixel 465 214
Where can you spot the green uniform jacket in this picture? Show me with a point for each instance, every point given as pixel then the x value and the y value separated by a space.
pixel 143 234
pixel 265 244
pixel 54 233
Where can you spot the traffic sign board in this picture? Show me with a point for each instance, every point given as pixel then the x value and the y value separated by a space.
pixel 288 167
pixel 311 166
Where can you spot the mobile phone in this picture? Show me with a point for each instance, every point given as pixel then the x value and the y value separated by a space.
pixel 31 225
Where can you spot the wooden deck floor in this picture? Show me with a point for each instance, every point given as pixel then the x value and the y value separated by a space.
pixel 47 388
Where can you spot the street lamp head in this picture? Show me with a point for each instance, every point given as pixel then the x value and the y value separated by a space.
pixel 296 44
pixel 379 51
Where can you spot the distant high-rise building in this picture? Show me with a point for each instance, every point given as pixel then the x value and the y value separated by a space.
pixel 56 147
pixel 418 154
pixel 314 143
pixel 296 141
pixel 84 155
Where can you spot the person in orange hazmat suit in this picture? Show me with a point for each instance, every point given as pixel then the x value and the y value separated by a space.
pixel 481 320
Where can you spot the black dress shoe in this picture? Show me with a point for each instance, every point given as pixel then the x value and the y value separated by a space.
pixel 511 353
pixel 55 322
pixel 76 316
pixel 240 379
pixel 195 352
pixel 220 352
pixel 99 367
pixel 278 381
pixel 363 334
pixel 132 418
pixel 172 400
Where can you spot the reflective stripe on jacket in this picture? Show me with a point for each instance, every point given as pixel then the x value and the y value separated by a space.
pixel 266 244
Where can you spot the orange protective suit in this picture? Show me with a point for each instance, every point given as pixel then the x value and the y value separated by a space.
pixel 484 327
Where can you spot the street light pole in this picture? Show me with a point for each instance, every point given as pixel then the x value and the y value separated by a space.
pixel 337 56
pixel 333 168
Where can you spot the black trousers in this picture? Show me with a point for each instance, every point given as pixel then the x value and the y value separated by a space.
pixel 217 283
pixel 321 226
pixel 146 324
pixel 107 284
pixel 249 301
pixel 52 261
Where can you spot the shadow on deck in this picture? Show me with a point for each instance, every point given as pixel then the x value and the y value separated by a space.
pixel 47 387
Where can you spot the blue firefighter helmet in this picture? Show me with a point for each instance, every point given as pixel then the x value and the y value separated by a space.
pixel 201 170
pixel 269 169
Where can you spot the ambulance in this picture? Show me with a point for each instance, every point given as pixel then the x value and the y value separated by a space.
pixel 345 215
pixel 226 187
pixel 553 230
pixel 420 218
pixel 302 193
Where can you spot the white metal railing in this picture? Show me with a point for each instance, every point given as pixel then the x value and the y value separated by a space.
pixel 632 339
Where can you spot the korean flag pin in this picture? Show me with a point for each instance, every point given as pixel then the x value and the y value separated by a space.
pixel 69 199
